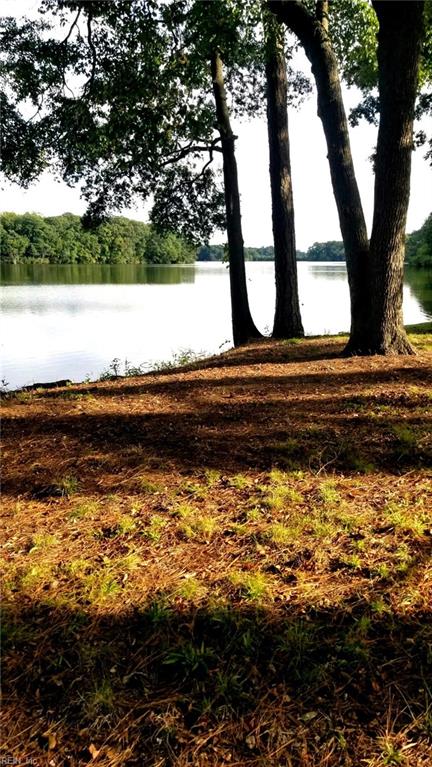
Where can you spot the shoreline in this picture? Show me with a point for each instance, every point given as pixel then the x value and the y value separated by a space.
pixel 417 329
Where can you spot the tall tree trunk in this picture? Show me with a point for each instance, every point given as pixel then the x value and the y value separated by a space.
pixel 312 31
pixel 287 319
pixel 399 42
pixel 243 325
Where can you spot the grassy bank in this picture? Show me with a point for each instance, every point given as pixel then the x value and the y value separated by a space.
pixel 223 565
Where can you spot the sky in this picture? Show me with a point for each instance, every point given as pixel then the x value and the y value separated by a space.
pixel 315 210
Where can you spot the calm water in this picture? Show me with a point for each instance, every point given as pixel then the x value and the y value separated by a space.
pixel 72 321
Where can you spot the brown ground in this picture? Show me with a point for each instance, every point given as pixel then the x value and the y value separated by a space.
pixel 227 564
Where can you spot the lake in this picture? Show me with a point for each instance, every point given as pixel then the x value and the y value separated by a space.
pixel 71 321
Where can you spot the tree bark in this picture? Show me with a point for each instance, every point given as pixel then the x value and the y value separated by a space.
pixel 313 35
pixel 287 319
pixel 244 328
pixel 399 43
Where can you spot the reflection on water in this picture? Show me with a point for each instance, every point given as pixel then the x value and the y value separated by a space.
pixel 328 271
pixel 95 274
pixel 71 321
pixel 420 284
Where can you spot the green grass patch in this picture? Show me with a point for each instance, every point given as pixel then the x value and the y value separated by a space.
pixel 253 586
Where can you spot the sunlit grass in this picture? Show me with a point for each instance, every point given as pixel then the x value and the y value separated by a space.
pixel 265 606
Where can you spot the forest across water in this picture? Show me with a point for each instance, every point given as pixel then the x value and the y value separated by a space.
pixel 72 320
pixel 30 238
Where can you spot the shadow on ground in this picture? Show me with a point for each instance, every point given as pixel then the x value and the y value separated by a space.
pixel 348 420
pixel 171 685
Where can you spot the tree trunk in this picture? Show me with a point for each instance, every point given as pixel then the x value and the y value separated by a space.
pixel 313 35
pixel 287 319
pixel 399 41
pixel 243 325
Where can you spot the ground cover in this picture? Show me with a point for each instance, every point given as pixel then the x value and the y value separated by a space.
pixel 227 564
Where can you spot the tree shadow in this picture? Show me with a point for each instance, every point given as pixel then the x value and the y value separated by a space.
pixel 174 684
pixel 95 675
pixel 348 421
pixel 301 382
pixel 254 354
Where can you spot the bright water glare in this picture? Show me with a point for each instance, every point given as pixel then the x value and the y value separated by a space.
pixel 72 321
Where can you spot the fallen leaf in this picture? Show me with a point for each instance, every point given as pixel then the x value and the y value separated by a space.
pixel 94 751
pixel 250 741
pixel 309 716
pixel 51 738
pixel 52 741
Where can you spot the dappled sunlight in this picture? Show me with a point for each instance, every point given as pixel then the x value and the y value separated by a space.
pixel 222 565
pixel 327 413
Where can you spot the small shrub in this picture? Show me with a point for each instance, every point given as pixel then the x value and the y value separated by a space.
pixel 405 436
pixel 296 642
pixel 240 529
pixel 190 588
pixel 43 541
pixel 282 496
pixel 126 525
pixel 99 586
pixel 83 510
pixel 195 490
pixel 253 585
pixel 66 486
pixel 112 371
pixel 100 700
pixel 212 476
pixel 154 531
pixel 254 515
pixel 328 494
pixel 239 481
pixel 183 510
pixel 148 486
pixel 323 528
pixel 190 658
pixel 36 575
pixel 379 607
pixel 79 567
pixel 383 571
pixel 201 527
pixel 404 518
pixel 180 359
pixel 280 534
pixel 158 611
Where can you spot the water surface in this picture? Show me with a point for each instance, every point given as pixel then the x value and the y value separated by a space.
pixel 71 321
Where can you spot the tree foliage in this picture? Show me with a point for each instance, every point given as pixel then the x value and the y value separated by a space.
pixel 62 239
pixel 108 102
pixel 354 28
pixel 326 251
pixel 419 245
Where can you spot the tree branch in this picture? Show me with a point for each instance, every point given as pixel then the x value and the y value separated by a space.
pixel 90 81
pixel 191 149
pixel 74 23
pixel 204 168
pixel 297 18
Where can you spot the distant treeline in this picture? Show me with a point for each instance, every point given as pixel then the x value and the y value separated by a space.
pixel 320 251
pixel 418 250
pixel 219 253
pixel 29 238
pixel 419 245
